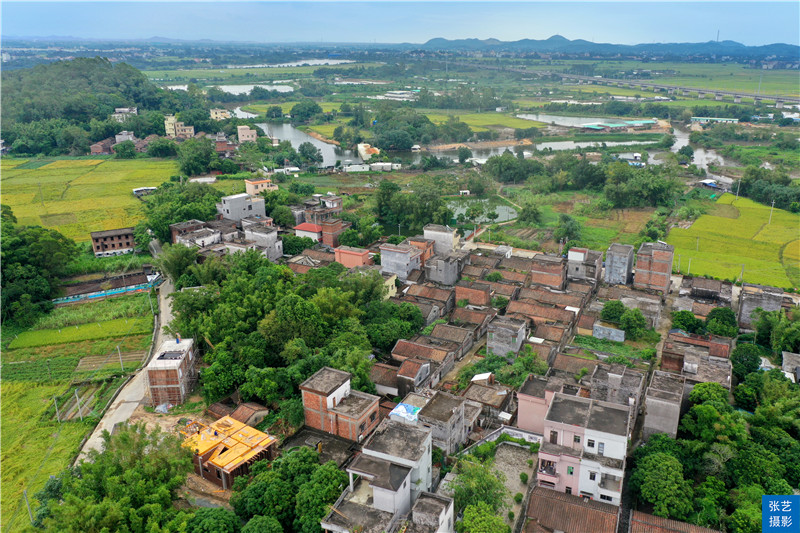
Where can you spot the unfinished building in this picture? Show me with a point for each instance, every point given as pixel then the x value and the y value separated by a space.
pixel 654 267
pixel 171 373
pixel 619 264
pixel 226 449
pixel 663 404
pixel 752 297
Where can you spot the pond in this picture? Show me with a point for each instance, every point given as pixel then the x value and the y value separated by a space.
pixel 460 206
pixel 330 152
pixel 561 120
pixel 245 89
pixel 299 63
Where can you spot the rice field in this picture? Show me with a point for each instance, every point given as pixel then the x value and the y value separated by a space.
pixel 286 107
pixel 84 332
pixel 720 244
pixel 78 196
pixel 483 121
pixel 253 75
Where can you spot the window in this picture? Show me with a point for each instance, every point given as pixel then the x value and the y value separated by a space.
pixel 592 476
pixel 553 437
pixel 577 439
pixel 219 474
pixel 372 417
pixel 362 427
pixel 590 443
pixel 568 490
pixel 601 447
pixel 606 498
pixel 570 470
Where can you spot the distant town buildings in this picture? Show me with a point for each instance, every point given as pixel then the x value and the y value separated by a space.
pixel 219 114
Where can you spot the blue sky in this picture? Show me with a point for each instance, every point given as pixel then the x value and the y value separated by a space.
pixel 751 23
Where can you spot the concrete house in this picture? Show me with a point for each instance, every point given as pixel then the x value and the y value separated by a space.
pixel 445 268
pixel 330 405
pixel 352 257
pixel 407 446
pixel 662 404
pixel 267 240
pixel 239 206
pixel 331 229
pixel 752 297
pixel 400 259
pixel 618 384
pixel 246 134
pixel 584 448
pixel 493 398
pixel 424 245
pixel 307 229
pixel 445 239
pixel 654 267
pixel 444 416
pixel 219 114
pixel 254 187
pixel 440 352
pixel 619 264
pixel 417 374
pixel 583 263
pixel 200 238
pixel 506 335
pixel 170 374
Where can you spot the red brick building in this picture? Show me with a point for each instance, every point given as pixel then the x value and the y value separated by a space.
pixel 171 372
pixel 330 405
pixel 331 229
pixel 424 245
pixel 654 266
pixel 113 242
pixel 550 271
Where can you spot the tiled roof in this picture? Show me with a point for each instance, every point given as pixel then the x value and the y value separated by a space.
pixel 569 363
pixel 451 333
pixel 405 349
pixel 647 523
pixel 521 264
pixel 383 374
pixel 550 510
pixel 410 368
pixel 484 260
pixel 471 316
pixel 534 310
pixel 510 275
pixel 550 332
pixel 560 299
pixel 308 226
pixel 429 292
pixel 319 255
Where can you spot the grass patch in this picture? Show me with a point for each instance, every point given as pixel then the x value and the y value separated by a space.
pixel 725 244
pixel 627 348
pixel 104 310
pixel 87 263
pixel 33 448
pixel 131 343
pixel 286 107
pixel 63 194
pixel 102 330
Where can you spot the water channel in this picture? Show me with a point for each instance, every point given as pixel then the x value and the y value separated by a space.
pixel 332 153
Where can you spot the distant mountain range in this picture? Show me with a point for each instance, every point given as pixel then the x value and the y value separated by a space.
pixel 559 44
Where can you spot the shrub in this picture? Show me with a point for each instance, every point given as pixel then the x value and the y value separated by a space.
pixel 518 497
pixel 523 476
pixel 511 516
pixel 612 310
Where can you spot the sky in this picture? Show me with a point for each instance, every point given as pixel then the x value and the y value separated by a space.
pixel 751 23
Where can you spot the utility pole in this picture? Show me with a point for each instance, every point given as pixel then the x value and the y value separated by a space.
pixel 689 268
pixel 738 186
pixel 398 229
pixel 741 275
pixel 121 366
pixel 79 404
pixel 770 212
pixel 679 263
pixel 30 514
pixel 58 415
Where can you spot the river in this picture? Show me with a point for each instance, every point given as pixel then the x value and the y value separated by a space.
pixel 330 152
pixel 702 157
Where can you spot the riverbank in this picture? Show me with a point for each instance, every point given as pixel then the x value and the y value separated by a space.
pixel 478 145
pixel 318 136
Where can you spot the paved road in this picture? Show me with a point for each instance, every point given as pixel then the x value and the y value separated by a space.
pixel 133 393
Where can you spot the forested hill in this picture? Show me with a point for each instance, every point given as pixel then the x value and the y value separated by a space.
pixel 62 107
pixel 77 90
pixel 559 44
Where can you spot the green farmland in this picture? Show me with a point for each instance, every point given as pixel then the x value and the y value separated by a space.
pixel 246 75
pixel 78 196
pixel 737 233
pixel 41 364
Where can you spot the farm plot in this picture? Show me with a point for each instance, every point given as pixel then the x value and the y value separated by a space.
pixel 720 246
pixel 78 370
pixel 78 196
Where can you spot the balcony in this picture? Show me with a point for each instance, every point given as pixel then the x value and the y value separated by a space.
pixel 610 483
pixel 547 473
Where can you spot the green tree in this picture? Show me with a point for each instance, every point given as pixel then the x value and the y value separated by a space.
pixel 303 111
pixel 708 392
pixel 481 518
pixel 175 260
pixel 567 228
pixel 315 496
pixel 274 111
pixel 282 216
pixel 686 321
pixel 633 323
pixel 464 153
pixel 530 213
pixel 477 483
pixel 293 245
pixel 125 150
pixel 262 524
pixel 613 310
pixel 658 480
pixel 214 520
pixel 310 153
pixel 196 155
pixel 714 422
pixel 494 276
pixel 162 147
pixel 745 358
